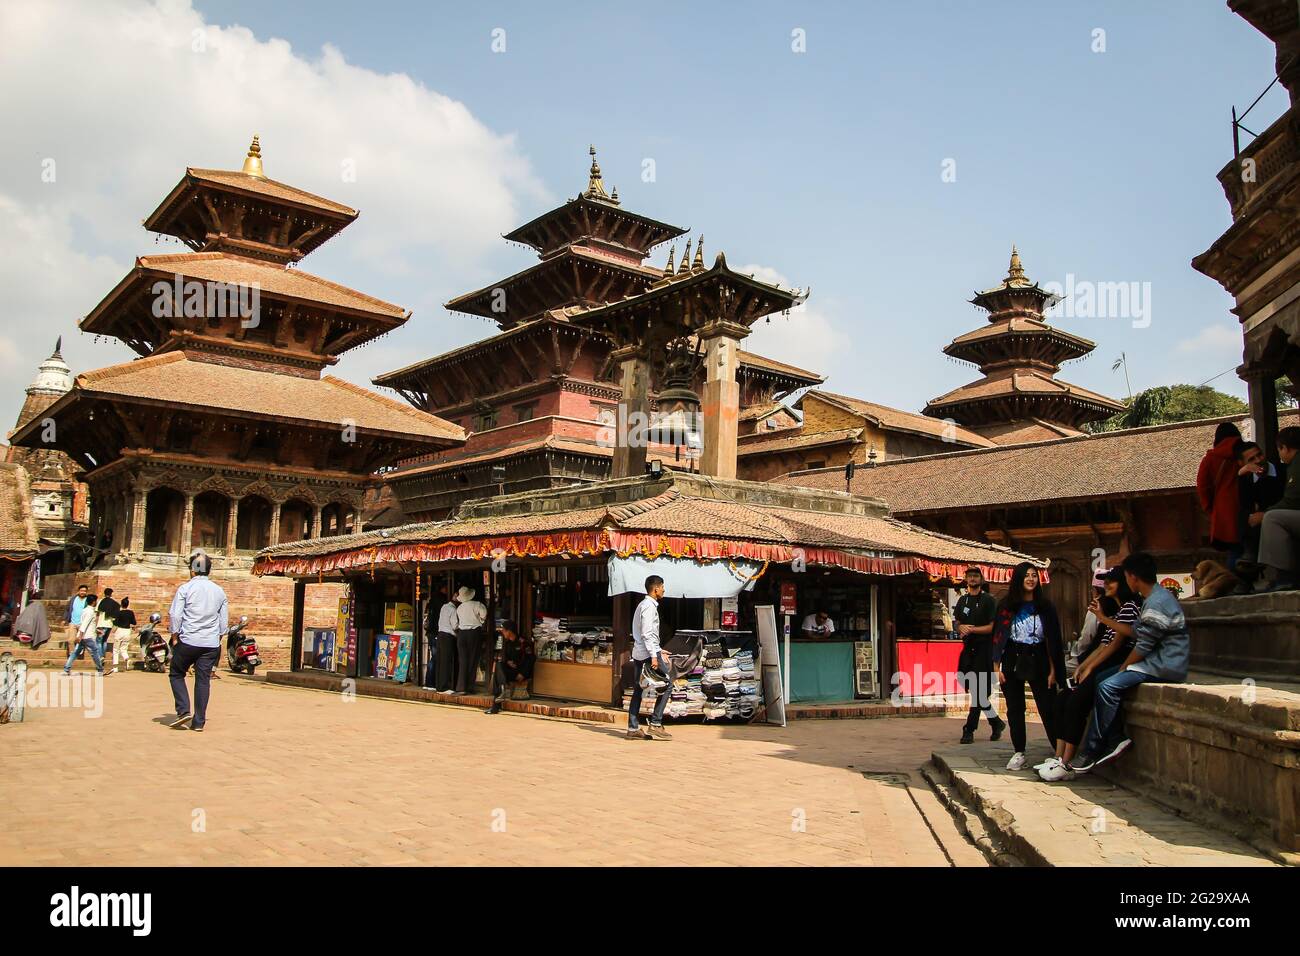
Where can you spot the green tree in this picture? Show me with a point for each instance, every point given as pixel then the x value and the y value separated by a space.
pixel 1172 403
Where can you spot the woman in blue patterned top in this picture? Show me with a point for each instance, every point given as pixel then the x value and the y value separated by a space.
pixel 1027 649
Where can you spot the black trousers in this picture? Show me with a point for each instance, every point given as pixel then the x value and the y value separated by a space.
pixel 204 661
pixel 979 685
pixel 1013 689
pixel 505 676
pixel 469 641
pixel 444 655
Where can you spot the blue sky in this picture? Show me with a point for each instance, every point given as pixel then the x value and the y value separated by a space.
pixel 823 166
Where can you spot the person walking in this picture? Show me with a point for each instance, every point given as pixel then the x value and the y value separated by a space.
pixel 122 624
pixel 974 615
pixel 647 652
pixel 1027 649
pixel 199 617
pixel 86 637
pixel 471 615
pixel 72 617
pixel 108 608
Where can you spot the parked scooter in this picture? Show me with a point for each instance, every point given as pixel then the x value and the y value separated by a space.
pixel 154 648
pixel 241 649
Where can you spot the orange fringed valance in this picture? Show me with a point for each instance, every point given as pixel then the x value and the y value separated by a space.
pixel 577 544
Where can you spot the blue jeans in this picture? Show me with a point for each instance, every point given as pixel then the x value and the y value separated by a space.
pixel 96 655
pixel 634 708
pixel 1105 708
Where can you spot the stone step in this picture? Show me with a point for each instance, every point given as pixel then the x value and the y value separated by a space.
pixel 1014 817
pixel 1250 635
pixel 1219 750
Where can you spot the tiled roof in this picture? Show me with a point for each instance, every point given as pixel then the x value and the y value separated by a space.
pixel 1030 382
pixel 768 446
pixel 679 513
pixel 177 379
pixel 271 278
pixel 764 364
pixel 1161 458
pixel 759 411
pixel 18 538
pixel 899 420
pixel 269 188
pixel 1020 325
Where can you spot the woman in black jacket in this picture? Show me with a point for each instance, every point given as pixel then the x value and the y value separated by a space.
pixel 1027 649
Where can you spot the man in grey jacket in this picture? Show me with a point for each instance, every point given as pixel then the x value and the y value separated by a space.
pixel 1161 653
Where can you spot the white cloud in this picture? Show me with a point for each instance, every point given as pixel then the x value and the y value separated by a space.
pixel 1222 338
pixel 808 337
pixel 122 95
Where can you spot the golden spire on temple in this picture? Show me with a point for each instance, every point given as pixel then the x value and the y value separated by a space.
pixel 1015 272
pixel 698 264
pixel 595 185
pixel 685 267
pixel 668 269
pixel 253 161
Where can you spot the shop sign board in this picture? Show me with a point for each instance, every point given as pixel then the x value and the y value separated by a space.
pixel 730 612
pixel 788 602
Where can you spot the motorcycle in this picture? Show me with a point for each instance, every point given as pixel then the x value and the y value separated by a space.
pixel 241 649
pixel 154 648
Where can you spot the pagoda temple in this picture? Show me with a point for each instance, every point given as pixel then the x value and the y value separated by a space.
pixel 538 396
pixel 1019 398
pixel 225 434
pixel 58 499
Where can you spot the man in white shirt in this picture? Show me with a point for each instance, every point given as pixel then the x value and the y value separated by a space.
pixel 818 625
pixel 471 615
pixel 442 671
pixel 87 636
pixel 646 648
pixel 199 618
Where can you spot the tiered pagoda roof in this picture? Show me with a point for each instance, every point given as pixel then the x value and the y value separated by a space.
pixel 1019 354
pixel 592 251
pixel 234 341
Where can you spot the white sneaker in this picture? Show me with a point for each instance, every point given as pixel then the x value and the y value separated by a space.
pixel 1056 772
pixel 1017 762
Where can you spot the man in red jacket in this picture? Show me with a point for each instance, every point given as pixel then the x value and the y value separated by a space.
pixel 1216 488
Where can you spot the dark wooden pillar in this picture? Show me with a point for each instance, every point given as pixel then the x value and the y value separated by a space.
pixel 631 438
pixel 295 640
pixel 622 645
pixel 1262 386
pixel 417 625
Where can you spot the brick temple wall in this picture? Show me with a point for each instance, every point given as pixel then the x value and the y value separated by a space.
pixel 268 601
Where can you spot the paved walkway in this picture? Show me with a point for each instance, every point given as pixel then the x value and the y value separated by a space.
pixel 1083 822
pixel 289 776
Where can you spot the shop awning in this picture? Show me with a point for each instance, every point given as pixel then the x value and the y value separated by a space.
pixel 684 577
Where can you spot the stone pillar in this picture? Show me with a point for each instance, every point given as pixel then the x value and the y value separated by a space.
pixel 187 524
pixel 721 398
pixel 633 415
pixel 275 523
pixel 317 529
pixel 232 527
pixel 137 521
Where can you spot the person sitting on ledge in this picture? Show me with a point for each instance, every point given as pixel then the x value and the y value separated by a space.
pixel 1160 653
pixel 515 667
pixel 1279 528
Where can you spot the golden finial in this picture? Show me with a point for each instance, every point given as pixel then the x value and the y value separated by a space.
pixel 686 260
pixel 668 269
pixel 697 265
pixel 595 186
pixel 1016 271
pixel 253 161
